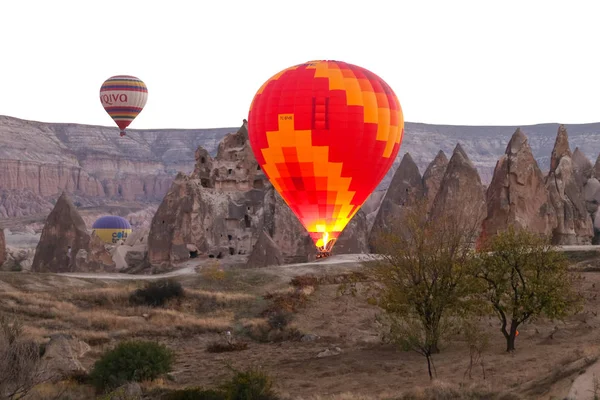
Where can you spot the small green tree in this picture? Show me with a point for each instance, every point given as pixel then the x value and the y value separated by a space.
pixel 422 276
pixel 525 278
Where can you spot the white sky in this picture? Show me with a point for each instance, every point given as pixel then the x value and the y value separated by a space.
pixel 450 62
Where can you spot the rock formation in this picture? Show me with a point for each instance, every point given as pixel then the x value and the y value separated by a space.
pixel 517 194
pixel 355 236
pixel 216 211
pixel 461 196
pixel 2 247
pixel 582 165
pixel 265 252
pixel 586 174
pixel 17 259
pixel 574 225
pixel 432 178
pixel 65 228
pixel 406 186
pixel 286 230
pixel 596 172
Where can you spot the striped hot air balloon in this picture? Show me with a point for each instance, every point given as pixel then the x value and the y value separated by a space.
pixel 325 133
pixel 112 228
pixel 123 97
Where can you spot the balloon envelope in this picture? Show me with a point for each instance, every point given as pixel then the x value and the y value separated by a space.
pixel 112 228
pixel 325 133
pixel 123 97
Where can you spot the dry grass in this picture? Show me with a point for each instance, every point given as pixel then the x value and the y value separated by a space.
pixel 97 314
pixel 438 390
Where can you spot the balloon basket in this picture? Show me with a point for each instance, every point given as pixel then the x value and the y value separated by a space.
pixel 325 251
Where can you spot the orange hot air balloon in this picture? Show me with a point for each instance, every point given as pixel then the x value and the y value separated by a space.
pixel 325 133
pixel 123 98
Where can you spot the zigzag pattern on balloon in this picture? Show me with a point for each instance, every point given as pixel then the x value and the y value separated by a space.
pixel 325 133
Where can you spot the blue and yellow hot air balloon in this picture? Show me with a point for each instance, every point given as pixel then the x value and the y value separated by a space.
pixel 112 228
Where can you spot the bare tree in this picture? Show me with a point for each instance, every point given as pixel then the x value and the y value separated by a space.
pixel 20 360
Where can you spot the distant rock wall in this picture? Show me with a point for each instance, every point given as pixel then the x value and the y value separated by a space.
pixel 94 163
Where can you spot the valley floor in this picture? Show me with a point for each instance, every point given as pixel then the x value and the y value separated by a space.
pixel 96 309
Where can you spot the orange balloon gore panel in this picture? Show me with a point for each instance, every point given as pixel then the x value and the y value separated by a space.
pixel 325 133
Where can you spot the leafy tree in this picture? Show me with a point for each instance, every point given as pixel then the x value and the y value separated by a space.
pixel 422 276
pixel 525 278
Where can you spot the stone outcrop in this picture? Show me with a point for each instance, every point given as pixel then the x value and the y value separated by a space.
pixel 64 227
pixel 221 208
pixel 62 357
pixel 517 194
pixel 432 178
pixel 582 165
pixel 215 210
pixel 371 207
pixel 406 186
pixel 17 259
pixel 574 224
pixel 355 236
pixel 461 196
pixel 2 247
pixel 265 253
pixel 286 230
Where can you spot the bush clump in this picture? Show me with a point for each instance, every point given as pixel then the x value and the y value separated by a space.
pixel 195 393
pixel 222 347
pixel 251 384
pixel 131 361
pixel 157 293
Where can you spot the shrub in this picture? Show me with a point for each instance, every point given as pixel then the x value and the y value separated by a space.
pixel 195 393
pixel 251 384
pixel 302 281
pixel 131 361
pixel 157 293
pixel 222 347
pixel 279 319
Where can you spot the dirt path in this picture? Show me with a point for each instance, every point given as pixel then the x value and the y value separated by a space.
pixel 586 385
pixel 287 270
pixel 189 268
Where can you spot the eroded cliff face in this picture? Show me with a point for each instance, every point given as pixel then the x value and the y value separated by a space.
pixel 96 164
pixel 92 162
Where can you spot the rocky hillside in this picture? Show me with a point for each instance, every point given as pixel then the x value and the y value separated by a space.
pixel 40 160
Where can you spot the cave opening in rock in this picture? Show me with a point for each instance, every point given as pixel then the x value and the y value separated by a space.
pixel 193 253
pixel 247 220
pixel 229 237
pixel 229 171
pixel 204 182
pixel 211 256
pixel 231 251
pixel 220 255
pixel 202 160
